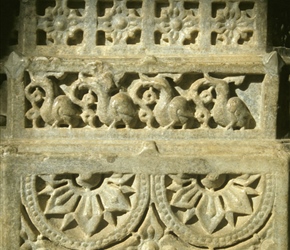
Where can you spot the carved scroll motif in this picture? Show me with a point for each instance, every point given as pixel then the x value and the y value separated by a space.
pixel 93 99
pixel 114 211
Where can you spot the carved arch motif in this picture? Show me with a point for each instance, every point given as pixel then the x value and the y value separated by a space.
pixel 115 211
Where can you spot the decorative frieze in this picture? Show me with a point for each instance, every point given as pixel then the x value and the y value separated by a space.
pixel 96 211
pixel 233 22
pixel 120 24
pixel 170 101
pixel 102 27
pixel 145 95
pixel 60 24
pixel 178 23
pixel 141 124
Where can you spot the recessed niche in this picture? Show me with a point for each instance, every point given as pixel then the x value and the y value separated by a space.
pixel 13 39
pixel 134 5
pixel 213 38
pixel 76 4
pixel 17 8
pixel 216 7
pixel 41 37
pixel 101 39
pixel 246 37
pixel 102 6
pixel 41 5
pixel 192 39
pixel 246 6
pixel 157 36
pixel 135 38
pixel 190 5
pixel 3 100
pixel 76 39
pixel 159 6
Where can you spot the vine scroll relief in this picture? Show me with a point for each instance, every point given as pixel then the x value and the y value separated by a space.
pixel 92 98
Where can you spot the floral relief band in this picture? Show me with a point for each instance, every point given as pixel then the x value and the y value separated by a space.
pixel 89 210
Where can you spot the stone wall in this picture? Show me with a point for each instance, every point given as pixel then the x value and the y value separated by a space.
pixel 145 125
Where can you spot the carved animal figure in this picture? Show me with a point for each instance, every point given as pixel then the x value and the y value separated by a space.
pixel 169 111
pixel 89 117
pixel 206 96
pixel 115 109
pixel 201 100
pixel 35 99
pixel 54 111
pixel 180 112
pixel 229 112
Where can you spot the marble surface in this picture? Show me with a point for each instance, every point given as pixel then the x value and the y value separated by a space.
pixel 143 125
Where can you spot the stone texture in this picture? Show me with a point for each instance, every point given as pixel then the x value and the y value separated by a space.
pixel 142 125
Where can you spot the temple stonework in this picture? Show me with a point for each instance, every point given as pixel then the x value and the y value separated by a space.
pixel 144 125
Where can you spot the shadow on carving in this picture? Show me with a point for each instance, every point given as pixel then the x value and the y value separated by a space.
pixel 283 116
pixel 3 100
pixel 8 26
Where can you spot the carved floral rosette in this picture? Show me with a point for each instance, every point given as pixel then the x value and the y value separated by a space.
pixel 114 211
pixel 85 211
pixel 214 211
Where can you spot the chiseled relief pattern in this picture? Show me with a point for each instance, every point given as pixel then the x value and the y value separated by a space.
pixel 92 98
pixel 119 24
pixel 177 24
pixel 116 211
pixel 60 24
pixel 233 23
pixel 113 22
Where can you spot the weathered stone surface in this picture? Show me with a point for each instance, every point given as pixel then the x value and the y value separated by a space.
pixel 217 195
pixel 142 125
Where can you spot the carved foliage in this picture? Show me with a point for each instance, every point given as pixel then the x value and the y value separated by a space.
pixel 233 22
pixel 60 24
pixel 92 98
pixel 178 23
pixel 214 210
pixel 121 24
pixel 114 23
pixel 92 211
pixel 87 210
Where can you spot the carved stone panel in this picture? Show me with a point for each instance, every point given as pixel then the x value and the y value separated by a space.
pixel 102 27
pixel 94 210
pixel 126 201
pixel 143 125
pixel 91 98
pixel 103 97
